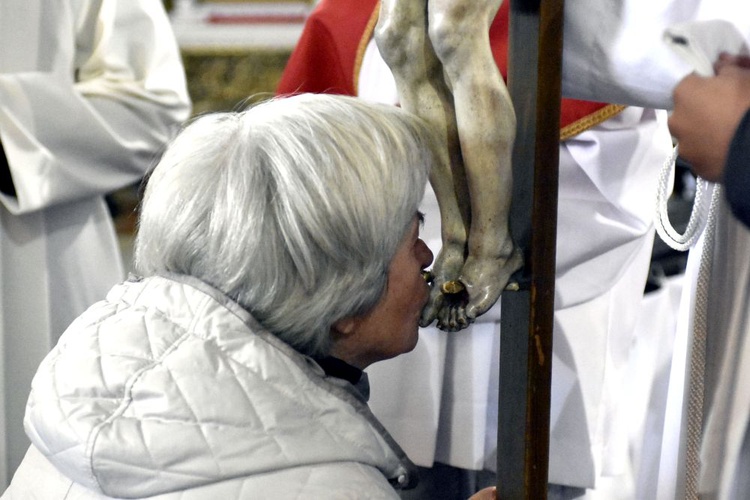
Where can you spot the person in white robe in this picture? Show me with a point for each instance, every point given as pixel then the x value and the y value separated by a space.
pixel 90 92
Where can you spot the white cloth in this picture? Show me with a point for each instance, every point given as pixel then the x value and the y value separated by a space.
pixel 440 401
pixel 614 51
pixel 620 57
pixel 168 389
pixel 645 395
pixel 724 450
pixel 90 90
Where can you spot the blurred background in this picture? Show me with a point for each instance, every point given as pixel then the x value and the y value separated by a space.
pixel 234 51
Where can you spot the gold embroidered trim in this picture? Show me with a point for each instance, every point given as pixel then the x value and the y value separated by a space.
pixel 590 121
pixel 363 45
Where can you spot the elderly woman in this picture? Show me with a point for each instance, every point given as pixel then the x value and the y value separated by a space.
pixel 281 256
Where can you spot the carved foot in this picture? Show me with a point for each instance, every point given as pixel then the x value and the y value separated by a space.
pixel 446 268
pixel 452 316
pixel 456 303
pixel 485 280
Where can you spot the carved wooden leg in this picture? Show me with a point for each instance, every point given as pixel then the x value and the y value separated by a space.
pixel 401 36
pixel 486 123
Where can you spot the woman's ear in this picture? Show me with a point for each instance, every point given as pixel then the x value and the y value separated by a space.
pixel 345 342
pixel 344 327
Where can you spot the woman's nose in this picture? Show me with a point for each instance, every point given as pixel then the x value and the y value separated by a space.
pixel 425 254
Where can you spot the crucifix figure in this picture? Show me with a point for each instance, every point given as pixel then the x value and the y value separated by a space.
pixel 439 53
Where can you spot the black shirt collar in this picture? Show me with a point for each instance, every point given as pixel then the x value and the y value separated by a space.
pixel 335 367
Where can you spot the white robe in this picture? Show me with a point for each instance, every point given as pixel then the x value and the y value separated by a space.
pixel 621 57
pixel 90 91
pixel 440 401
pixel 614 51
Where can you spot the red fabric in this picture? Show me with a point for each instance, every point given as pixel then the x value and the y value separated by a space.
pixel 324 58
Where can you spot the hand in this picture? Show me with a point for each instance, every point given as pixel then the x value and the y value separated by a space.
pixel 707 112
pixel 489 493
pixel 731 60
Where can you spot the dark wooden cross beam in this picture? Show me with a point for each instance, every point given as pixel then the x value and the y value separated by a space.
pixel 534 74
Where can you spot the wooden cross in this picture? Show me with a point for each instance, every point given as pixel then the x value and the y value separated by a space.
pixel 534 81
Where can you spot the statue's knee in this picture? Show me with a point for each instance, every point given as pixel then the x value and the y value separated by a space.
pixel 392 41
pixel 397 46
pixel 447 36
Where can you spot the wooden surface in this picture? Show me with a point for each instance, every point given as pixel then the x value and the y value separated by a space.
pixel 535 63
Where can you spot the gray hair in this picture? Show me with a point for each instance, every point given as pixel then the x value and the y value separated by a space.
pixel 293 207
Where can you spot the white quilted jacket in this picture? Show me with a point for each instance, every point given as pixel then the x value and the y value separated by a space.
pixel 168 389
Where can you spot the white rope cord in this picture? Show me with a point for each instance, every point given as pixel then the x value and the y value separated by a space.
pixel 702 217
pixel 698 356
pixel 698 216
